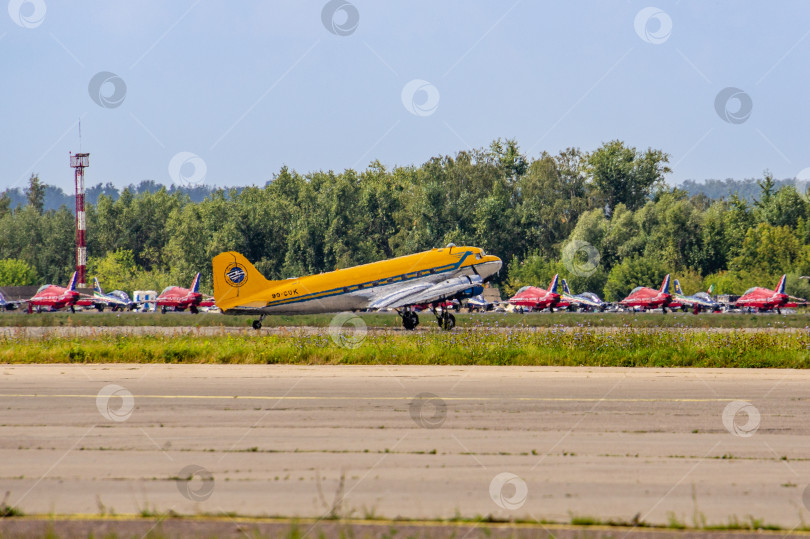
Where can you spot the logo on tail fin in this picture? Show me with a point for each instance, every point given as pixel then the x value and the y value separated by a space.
pixel 97 286
pixel 710 291
pixel 677 285
pixel 780 288
pixel 566 290
pixel 236 275
pixel 665 285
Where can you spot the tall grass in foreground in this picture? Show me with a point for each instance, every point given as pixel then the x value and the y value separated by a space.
pixel 627 347
pixel 799 320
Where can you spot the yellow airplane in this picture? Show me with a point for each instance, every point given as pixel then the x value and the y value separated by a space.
pixel 399 283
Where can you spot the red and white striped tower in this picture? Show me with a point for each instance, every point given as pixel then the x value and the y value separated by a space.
pixel 79 162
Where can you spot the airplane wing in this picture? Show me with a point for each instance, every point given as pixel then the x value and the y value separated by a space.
pixel 426 292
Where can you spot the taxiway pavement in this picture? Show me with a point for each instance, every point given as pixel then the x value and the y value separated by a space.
pixel 544 443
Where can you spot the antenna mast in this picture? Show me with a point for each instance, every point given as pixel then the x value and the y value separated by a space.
pixel 79 162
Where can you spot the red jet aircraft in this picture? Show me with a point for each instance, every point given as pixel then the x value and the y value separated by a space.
pixel 763 299
pixel 55 297
pixel 538 298
pixel 649 298
pixel 183 298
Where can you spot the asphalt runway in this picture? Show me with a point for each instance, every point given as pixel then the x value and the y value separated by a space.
pixel 654 445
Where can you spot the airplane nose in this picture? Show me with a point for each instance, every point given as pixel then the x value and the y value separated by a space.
pixel 491 265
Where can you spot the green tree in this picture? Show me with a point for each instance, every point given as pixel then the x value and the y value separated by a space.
pixel 5 204
pixel 768 249
pixel 623 175
pixel 633 272
pixel 786 207
pixel 35 193
pixel 737 220
pixel 14 272
pixel 714 253
pixel 551 197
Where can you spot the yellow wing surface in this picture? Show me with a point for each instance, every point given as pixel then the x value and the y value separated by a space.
pixel 237 283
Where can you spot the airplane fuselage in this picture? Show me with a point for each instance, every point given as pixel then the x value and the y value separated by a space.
pixel 359 287
pixel 647 298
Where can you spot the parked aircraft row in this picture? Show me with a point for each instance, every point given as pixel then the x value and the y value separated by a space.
pixel 52 297
pixel 645 298
pixel 431 279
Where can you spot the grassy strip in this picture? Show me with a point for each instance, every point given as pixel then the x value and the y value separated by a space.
pixel 383 320
pixel 626 347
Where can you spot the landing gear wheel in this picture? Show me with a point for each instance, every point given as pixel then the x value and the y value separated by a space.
pixel 193 309
pixel 257 325
pixel 100 308
pixel 446 321
pixel 72 309
pixel 410 320
pixel 163 310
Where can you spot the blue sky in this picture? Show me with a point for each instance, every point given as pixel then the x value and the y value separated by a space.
pixel 225 93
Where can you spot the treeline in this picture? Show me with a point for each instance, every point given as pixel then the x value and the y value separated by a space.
pixel 604 219
pixel 747 189
pixel 55 197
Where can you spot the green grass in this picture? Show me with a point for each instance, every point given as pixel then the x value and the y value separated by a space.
pixel 624 347
pixel 385 320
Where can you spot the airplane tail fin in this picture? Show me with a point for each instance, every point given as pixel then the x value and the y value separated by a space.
pixel 780 288
pixel 235 278
pixel 195 284
pixel 710 291
pixel 97 287
pixel 72 283
pixel 554 282
pixel 665 285
pixel 677 286
pixel 566 290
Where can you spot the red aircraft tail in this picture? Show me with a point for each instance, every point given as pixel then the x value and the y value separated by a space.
pixel 780 288
pixel 195 284
pixel 72 283
pixel 665 285
pixel 553 286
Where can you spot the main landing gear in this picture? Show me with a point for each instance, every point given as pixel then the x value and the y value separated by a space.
pixel 445 320
pixel 257 324
pixel 409 319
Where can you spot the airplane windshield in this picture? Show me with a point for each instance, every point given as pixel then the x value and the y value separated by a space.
pixel 165 290
pixel 43 287
pixel 749 290
pixel 636 289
